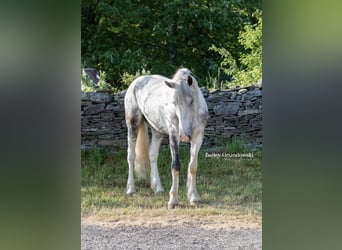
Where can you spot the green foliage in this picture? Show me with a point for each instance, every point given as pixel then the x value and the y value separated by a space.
pixel 160 36
pixel 212 81
pixel 87 85
pixel 127 78
pixel 247 69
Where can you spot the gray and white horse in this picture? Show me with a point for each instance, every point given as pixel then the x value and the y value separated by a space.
pixel 175 107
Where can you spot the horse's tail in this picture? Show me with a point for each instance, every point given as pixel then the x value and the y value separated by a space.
pixel 142 162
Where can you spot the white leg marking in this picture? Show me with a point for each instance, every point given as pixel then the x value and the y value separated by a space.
pixel 192 194
pixel 173 202
pixel 130 160
pixel 153 154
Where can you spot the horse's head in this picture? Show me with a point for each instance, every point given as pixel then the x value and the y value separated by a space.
pixel 185 102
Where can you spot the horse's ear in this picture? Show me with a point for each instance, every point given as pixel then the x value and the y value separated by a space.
pixel 170 84
pixel 189 80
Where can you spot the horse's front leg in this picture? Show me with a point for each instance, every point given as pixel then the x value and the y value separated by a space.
pixel 175 168
pixel 153 154
pixel 192 194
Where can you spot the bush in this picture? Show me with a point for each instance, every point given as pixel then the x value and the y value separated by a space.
pixel 127 78
pixel 87 85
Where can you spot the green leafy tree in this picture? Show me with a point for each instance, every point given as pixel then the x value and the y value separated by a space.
pixel 127 36
pixel 247 69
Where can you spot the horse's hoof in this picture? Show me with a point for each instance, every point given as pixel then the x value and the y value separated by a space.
pixel 157 188
pixel 172 206
pixel 159 191
pixel 195 203
pixel 130 194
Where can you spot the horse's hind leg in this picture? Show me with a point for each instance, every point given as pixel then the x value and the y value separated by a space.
pixel 132 137
pixel 153 154
pixel 132 126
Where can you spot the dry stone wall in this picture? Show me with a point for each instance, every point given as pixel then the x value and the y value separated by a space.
pixel 234 114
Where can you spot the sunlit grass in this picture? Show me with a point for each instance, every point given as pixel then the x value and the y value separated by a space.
pixel 226 185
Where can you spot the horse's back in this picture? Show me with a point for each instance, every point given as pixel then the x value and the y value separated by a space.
pixel 149 82
pixel 149 96
pixel 151 90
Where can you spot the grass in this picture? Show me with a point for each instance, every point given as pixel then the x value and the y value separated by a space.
pixel 226 185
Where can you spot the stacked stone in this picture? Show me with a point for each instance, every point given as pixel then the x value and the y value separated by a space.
pixel 103 120
pixel 234 114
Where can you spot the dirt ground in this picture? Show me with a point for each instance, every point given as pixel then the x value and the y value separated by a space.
pixel 172 232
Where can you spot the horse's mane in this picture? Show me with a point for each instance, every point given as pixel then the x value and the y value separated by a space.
pixel 181 74
pixel 181 77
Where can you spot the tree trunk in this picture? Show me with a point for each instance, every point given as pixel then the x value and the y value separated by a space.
pixel 172 54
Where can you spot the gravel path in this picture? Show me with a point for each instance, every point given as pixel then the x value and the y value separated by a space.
pixel 105 236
